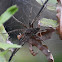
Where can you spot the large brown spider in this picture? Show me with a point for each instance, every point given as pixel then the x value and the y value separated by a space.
pixel 35 36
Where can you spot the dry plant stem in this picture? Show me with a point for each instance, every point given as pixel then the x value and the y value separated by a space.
pixel 59 16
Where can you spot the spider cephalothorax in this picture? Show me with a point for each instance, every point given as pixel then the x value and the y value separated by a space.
pixel 31 31
pixel 34 37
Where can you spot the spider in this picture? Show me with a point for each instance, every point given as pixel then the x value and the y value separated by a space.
pixel 34 36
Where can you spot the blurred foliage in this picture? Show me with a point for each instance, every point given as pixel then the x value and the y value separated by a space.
pixel 53 1
pixel 8 13
pixel 50 1
pixel 7 46
pixel 48 23
pixel 50 5
pixel 3 34
pixel 2 58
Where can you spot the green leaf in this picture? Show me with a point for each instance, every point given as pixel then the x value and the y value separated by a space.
pixel 50 1
pixel 48 23
pixel 2 56
pixel 8 14
pixel 7 46
pixel 4 53
pixel 39 1
pixel 51 7
pixel 53 1
pixel 3 36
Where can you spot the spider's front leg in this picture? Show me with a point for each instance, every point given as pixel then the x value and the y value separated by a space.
pixel 31 50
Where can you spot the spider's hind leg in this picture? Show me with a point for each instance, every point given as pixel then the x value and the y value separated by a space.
pixel 46 52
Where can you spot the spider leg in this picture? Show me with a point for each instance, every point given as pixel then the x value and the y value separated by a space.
pixel 19 21
pixel 37 16
pixel 45 51
pixel 15 50
pixel 45 34
pixel 32 51
pixel 37 42
pixel 13 31
pixel 30 25
pixel 30 12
